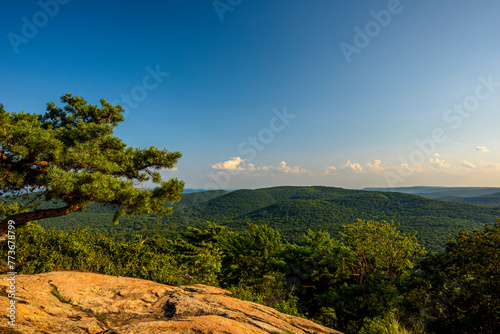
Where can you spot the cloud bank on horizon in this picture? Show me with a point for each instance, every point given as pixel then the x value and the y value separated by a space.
pixel 435 166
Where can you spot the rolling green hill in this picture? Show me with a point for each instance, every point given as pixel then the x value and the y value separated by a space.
pixel 292 211
pixel 236 203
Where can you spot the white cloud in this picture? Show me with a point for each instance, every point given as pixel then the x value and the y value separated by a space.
pixel 238 164
pixel 235 163
pixel 489 164
pixel 175 169
pixel 355 167
pixel 467 164
pixel 440 163
pixel 330 170
pixel 376 166
pixel 482 149
pixel 414 168
pixel 292 170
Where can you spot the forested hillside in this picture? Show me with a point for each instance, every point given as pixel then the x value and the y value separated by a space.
pixel 292 211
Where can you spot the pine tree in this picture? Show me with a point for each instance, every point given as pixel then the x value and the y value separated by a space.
pixel 69 155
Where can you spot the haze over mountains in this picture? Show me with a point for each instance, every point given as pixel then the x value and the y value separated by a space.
pixel 489 196
pixel 294 210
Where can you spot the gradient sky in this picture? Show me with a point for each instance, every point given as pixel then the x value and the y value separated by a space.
pixel 259 93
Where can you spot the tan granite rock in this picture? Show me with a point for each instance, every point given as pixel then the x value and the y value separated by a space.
pixel 94 303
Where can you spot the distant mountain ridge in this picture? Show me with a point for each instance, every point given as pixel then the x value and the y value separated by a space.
pixel 488 196
pixel 292 211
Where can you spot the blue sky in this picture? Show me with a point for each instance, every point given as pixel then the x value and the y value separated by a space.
pixel 286 92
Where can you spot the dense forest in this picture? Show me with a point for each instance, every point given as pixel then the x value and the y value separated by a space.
pixel 371 279
pixel 291 211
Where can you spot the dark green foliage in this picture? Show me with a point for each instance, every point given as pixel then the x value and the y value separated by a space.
pixel 252 268
pixel 359 279
pixel 236 203
pixel 191 203
pixel 251 255
pixel 165 261
pixel 314 270
pixel 464 284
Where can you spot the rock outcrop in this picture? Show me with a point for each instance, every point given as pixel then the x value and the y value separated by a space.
pixel 78 302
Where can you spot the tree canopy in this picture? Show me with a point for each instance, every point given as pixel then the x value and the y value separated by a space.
pixel 464 283
pixel 70 156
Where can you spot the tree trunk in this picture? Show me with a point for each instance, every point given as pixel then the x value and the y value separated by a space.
pixel 22 218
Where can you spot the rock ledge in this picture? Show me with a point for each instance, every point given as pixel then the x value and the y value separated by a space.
pixel 94 303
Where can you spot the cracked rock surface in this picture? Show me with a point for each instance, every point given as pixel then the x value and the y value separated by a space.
pixel 95 303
